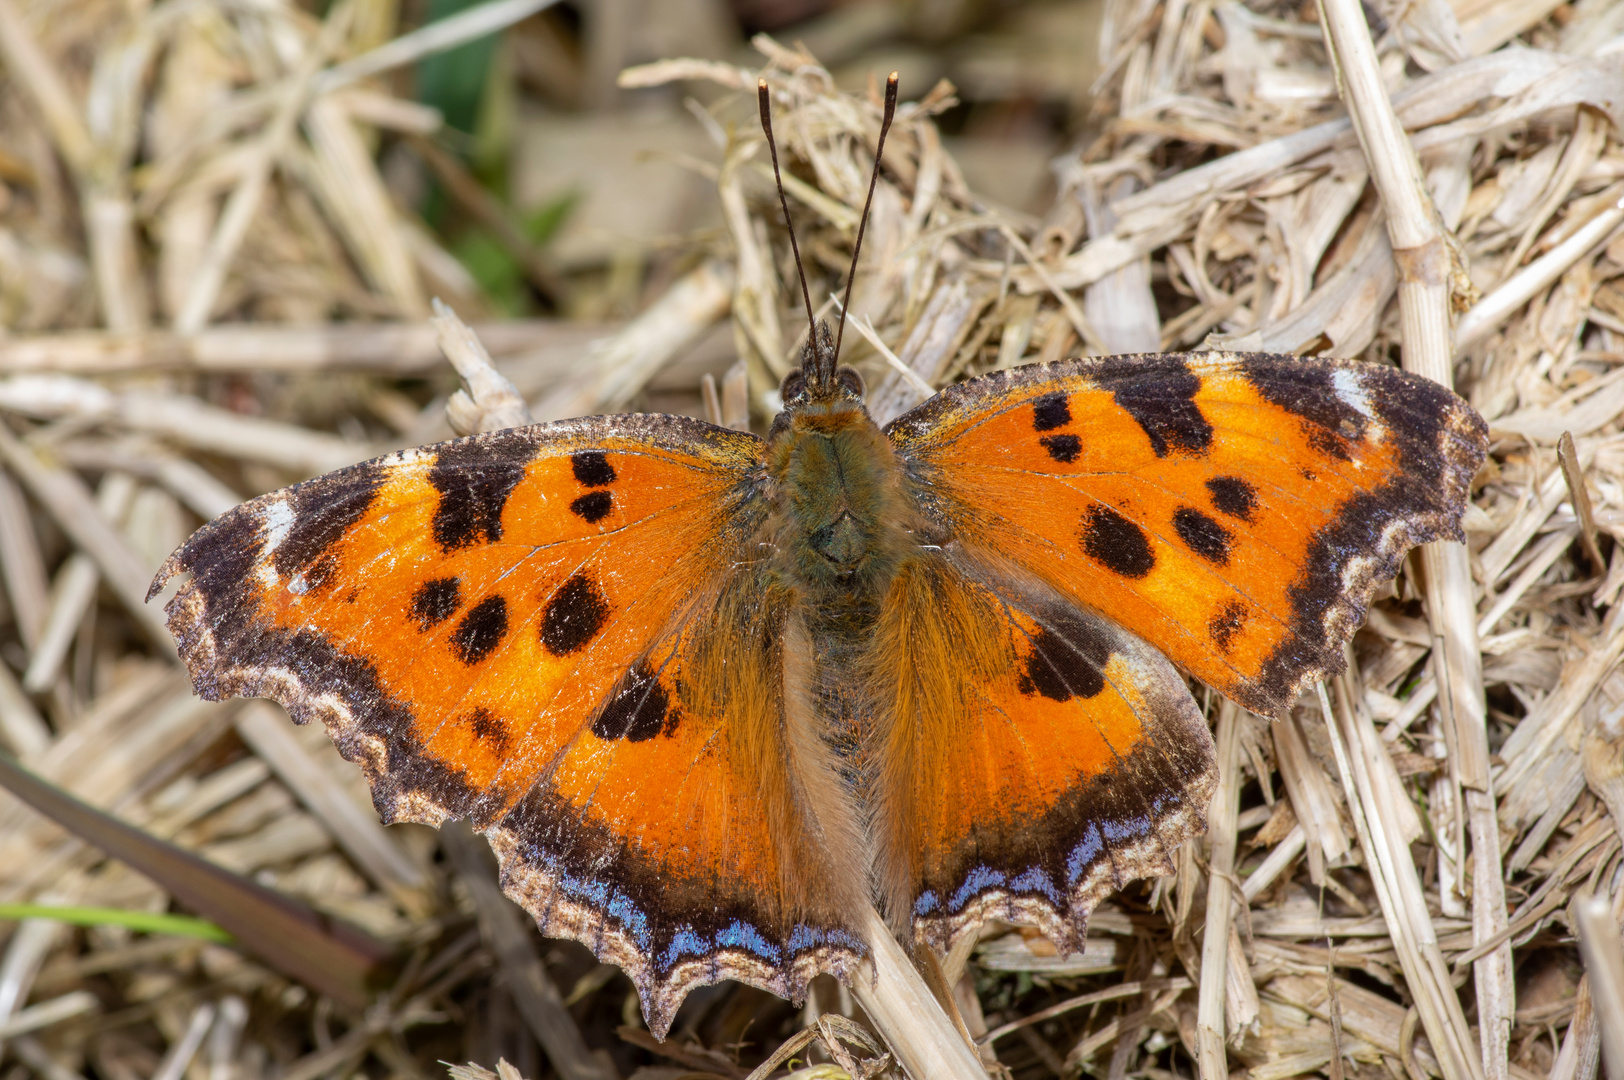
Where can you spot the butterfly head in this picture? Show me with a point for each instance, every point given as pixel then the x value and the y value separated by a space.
pixel 820 378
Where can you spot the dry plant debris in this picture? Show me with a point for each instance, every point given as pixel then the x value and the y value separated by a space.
pixel 181 184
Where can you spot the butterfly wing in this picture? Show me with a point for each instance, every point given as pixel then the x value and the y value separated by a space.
pixel 1031 758
pixel 526 628
pixel 1234 511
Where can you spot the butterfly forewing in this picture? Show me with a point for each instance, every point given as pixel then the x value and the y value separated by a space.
pixel 1234 511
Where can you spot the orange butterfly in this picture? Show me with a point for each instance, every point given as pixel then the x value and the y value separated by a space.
pixel 708 695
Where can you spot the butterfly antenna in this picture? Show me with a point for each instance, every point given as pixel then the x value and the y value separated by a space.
pixel 862 224
pixel 765 101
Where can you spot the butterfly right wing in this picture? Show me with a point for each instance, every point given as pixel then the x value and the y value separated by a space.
pixel 563 634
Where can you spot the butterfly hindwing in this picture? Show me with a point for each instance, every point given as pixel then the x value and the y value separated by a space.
pixel 1235 511
pixel 525 628
pixel 1032 757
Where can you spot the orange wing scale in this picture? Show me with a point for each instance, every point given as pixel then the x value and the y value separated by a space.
pixel 1234 511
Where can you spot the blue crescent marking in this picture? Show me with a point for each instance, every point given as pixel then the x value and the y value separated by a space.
pixel 977 880
pixel 1086 851
pixel 741 935
pixel 1126 829
pixel 1036 880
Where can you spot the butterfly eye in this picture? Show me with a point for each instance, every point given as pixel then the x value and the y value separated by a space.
pixel 850 381
pixel 793 386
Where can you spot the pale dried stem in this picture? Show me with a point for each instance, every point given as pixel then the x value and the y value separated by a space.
pixel 1403 905
pixel 1603 953
pixel 1279 859
pixel 75 590
pixel 863 326
pixel 1210 1027
pixel 21 564
pixel 388 348
pixel 22 729
pixel 895 996
pixel 266 730
pixel 349 185
pixel 436 37
pixel 622 364
pixel 507 934
pixel 1486 316
pixel 488 401
pixel 29 66
pixel 109 220
pixel 1426 269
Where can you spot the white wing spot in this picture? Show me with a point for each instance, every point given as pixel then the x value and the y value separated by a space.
pixel 277 519
pixel 1351 393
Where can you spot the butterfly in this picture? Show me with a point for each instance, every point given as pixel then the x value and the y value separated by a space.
pixel 710 694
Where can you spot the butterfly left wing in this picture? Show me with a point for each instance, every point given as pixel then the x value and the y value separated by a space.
pixel 1031 757
pixel 565 634
pixel 1235 511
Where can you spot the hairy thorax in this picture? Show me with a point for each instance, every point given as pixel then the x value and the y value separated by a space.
pixel 841 524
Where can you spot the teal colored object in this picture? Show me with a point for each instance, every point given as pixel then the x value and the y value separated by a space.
pixel 454 81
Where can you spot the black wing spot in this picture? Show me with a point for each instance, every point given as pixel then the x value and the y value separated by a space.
pixel 474 485
pixel 481 630
pixel 1233 496
pixel 1117 543
pixel 592 468
pixel 573 616
pixel 1063 448
pixel 1050 411
pixel 1223 626
pixel 638 710
pixel 323 511
pixel 489 729
pixel 1162 402
pixel 1066 662
pixel 593 507
pixel 1202 535
pixel 436 601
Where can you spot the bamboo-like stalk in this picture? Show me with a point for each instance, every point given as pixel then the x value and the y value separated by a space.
pixel 1210 1029
pixel 1403 905
pixel 1427 274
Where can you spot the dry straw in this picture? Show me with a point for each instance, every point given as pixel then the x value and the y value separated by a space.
pixel 1397 876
